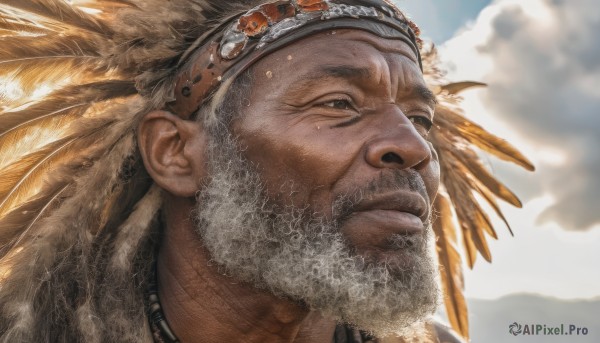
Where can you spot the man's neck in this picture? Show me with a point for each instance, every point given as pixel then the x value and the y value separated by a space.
pixel 202 305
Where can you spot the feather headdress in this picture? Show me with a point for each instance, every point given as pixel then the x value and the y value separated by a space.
pixel 75 78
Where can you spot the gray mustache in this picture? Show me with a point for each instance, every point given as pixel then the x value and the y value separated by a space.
pixel 396 180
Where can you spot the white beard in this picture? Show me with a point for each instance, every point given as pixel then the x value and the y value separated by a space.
pixel 296 254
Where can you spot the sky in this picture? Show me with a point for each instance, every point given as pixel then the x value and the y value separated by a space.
pixel 440 19
pixel 540 59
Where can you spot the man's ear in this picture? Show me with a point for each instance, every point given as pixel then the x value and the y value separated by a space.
pixel 173 150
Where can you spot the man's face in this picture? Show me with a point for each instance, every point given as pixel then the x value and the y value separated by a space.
pixel 321 189
pixel 332 115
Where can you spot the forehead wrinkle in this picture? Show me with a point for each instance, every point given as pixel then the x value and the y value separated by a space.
pixel 346 62
pixel 390 53
pixel 399 48
pixel 408 83
pixel 346 71
pixel 413 88
pixel 325 72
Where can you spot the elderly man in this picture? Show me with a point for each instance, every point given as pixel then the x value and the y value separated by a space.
pixel 316 194
pixel 201 171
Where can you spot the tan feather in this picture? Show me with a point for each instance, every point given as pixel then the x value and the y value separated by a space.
pixel 469 246
pixel 126 196
pixel 16 121
pixel 108 6
pixel 19 221
pixel 28 70
pixel 28 139
pixel 489 198
pixel 31 81
pixel 482 220
pixel 466 164
pixel 463 173
pixel 471 164
pixel 478 217
pixel 61 12
pixel 462 128
pixel 16 178
pixel 86 149
pixel 69 101
pixel 16 29
pixel 19 180
pixel 480 242
pixel 48 46
pixel 466 212
pixel 458 87
pixel 467 161
pixel 450 267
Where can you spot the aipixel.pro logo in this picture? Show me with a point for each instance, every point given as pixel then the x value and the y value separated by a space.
pixel 516 329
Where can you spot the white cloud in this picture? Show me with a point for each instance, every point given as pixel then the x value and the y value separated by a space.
pixel 541 61
pixel 540 259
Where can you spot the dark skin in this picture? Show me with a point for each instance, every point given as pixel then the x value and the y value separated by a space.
pixel 319 123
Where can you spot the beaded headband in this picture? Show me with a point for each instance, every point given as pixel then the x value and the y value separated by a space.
pixel 231 48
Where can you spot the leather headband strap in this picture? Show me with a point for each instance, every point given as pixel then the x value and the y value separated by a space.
pixel 232 52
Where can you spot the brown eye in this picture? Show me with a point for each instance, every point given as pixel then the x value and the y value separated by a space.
pixel 421 123
pixel 339 104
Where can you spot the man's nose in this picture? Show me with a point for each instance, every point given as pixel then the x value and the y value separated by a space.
pixel 400 148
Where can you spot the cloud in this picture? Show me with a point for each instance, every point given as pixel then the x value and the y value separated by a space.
pixel 541 59
pixel 542 259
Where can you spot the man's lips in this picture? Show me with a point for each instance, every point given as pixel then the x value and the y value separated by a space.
pixel 400 212
pixel 409 202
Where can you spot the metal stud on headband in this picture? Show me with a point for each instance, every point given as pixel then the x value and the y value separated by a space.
pixel 270 27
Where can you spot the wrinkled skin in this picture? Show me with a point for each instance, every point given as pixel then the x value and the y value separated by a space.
pixel 326 116
pixel 301 128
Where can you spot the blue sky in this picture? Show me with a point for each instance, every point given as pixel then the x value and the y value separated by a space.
pixel 438 19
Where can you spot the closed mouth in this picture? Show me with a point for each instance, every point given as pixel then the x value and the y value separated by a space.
pixel 407 202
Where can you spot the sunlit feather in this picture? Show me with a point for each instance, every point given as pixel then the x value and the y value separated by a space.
pixel 70 100
pixel 458 87
pixel 60 11
pixel 464 175
pixel 450 267
pixel 17 180
pixel 469 132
